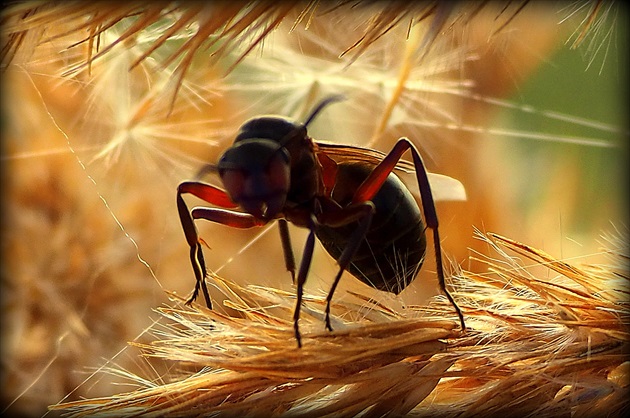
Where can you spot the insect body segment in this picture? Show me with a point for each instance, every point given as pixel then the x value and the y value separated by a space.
pixel 348 197
pixel 393 250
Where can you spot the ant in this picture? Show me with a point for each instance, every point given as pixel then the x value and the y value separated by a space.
pixel 347 196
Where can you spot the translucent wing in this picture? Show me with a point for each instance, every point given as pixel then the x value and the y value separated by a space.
pixel 443 188
pixel 348 153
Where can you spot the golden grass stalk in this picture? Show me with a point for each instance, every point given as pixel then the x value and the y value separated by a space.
pixel 545 338
pixel 222 27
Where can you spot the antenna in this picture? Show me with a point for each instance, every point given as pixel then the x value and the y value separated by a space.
pixel 330 99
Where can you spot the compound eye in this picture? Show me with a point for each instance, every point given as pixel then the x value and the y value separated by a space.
pixel 279 173
pixel 234 183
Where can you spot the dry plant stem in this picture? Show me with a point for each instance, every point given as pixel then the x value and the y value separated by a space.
pixel 227 24
pixel 535 346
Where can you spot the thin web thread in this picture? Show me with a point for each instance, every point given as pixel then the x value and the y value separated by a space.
pixel 122 228
pixel 84 168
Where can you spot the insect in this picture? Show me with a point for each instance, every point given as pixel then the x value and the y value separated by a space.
pixel 348 197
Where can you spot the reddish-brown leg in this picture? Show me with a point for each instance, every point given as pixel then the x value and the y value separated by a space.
pixel 215 196
pixel 375 180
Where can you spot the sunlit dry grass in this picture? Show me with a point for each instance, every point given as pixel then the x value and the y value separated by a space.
pixel 545 338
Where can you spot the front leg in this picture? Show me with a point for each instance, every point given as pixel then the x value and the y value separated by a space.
pixel 287 249
pixel 196 254
pixel 305 265
pixel 215 196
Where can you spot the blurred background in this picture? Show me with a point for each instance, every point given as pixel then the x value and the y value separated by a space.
pixel 497 98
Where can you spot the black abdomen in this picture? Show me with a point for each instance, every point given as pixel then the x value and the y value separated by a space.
pixel 393 251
